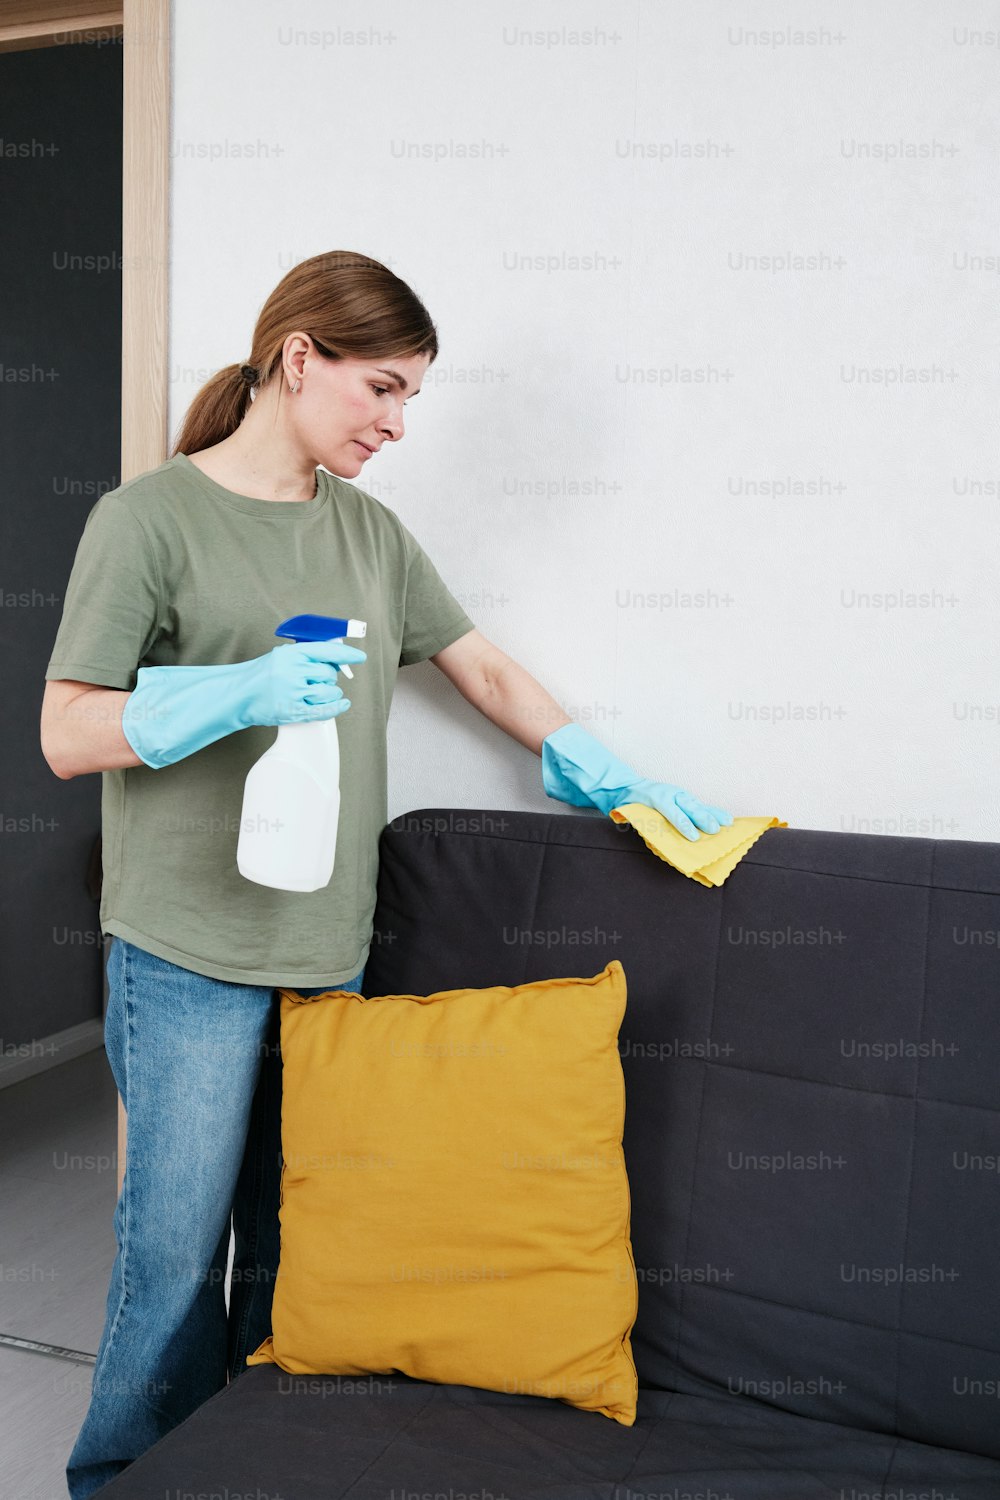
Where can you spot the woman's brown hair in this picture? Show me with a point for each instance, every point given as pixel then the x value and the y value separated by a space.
pixel 351 306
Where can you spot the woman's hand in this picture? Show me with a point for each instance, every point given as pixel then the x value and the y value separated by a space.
pixel 578 769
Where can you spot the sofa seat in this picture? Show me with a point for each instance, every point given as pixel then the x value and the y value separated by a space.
pixel 382 1437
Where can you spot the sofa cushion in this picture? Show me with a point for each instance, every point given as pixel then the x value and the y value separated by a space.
pixel 454 1198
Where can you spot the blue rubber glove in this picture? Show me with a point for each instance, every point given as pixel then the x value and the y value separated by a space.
pixel 578 769
pixel 173 711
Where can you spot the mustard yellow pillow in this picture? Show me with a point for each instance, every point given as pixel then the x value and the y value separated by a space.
pixel 454 1200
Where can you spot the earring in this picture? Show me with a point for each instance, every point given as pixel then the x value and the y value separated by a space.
pixel 295 387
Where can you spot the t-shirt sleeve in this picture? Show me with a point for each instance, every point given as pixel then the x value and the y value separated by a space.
pixel 111 611
pixel 433 616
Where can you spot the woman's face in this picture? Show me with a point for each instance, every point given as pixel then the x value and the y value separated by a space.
pixel 345 409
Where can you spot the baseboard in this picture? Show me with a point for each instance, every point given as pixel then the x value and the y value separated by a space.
pixel 27 1058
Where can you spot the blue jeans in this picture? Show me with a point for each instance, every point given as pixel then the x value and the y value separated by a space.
pixel 198 1066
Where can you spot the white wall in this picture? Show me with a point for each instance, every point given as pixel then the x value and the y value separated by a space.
pixel 871 144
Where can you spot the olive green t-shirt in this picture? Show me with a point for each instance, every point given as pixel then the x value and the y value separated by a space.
pixel 173 569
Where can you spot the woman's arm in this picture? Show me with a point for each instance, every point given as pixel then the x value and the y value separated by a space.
pixel 576 767
pixel 501 689
pixel 81 729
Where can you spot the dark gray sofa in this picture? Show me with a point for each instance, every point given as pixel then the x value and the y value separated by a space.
pixel 812 1139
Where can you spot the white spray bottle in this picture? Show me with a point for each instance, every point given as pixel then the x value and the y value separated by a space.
pixel 291 797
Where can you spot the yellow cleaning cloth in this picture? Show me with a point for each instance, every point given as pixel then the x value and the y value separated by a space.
pixel 708 859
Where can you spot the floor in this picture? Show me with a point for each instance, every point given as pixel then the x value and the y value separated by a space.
pixel 58 1187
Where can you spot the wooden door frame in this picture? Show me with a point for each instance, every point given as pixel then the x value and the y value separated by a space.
pixel 142 29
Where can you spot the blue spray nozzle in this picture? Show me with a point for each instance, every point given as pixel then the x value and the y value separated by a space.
pixel 320 628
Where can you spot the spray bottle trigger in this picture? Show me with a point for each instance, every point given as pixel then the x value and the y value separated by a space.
pixel 323 628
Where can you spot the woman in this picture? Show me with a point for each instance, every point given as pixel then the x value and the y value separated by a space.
pixel 188 569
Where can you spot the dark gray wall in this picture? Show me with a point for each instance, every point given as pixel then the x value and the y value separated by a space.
pixel 60 355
